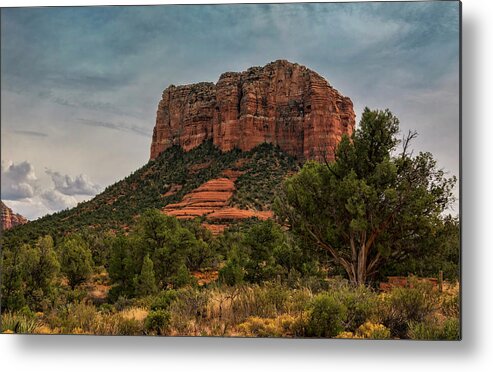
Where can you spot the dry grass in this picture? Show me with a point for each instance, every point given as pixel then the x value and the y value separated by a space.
pixel 270 310
pixel 137 313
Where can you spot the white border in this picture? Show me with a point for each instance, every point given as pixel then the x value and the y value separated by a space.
pixel 474 353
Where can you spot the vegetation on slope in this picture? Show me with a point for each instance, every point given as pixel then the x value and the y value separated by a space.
pixel 117 207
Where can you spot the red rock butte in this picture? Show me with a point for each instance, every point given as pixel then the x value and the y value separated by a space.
pixel 282 103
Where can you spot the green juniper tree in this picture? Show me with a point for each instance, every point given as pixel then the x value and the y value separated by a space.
pixel 76 260
pixel 145 283
pixel 372 204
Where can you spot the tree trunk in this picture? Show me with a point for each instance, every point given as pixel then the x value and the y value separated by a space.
pixel 362 256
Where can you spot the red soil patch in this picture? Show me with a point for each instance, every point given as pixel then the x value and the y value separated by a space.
pixel 403 281
pixel 205 277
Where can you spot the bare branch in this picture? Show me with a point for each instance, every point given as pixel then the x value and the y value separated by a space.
pixel 406 141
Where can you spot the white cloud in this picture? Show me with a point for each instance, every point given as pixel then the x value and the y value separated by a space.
pixel 30 208
pixel 56 201
pixel 18 180
pixel 21 189
pixel 80 185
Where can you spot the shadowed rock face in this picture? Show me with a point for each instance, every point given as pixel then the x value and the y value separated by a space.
pixel 9 218
pixel 281 103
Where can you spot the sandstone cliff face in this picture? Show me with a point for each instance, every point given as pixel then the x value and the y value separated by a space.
pixel 10 219
pixel 281 103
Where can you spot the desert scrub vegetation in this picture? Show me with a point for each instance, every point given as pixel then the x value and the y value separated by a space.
pixel 116 208
pixel 271 309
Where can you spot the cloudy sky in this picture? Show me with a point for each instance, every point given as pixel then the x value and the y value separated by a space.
pixel 80 86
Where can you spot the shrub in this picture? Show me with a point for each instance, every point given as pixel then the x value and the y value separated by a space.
pixel 450 305
pixel 164 300
pixel 373 331
pixel 190 307
pixel 298 299
pixel 283 326
pixel 360 304
pixel 123 303
pixel 270 299
pixel 346 334
pixel 232 273
pixel 18 323
pixel 260 327
pixel 129 327
pixel 264 301
pixel 405 305
pixel 435 330
pixel 182 277
pixel 77 316
pixel 326 317
pixel 158 322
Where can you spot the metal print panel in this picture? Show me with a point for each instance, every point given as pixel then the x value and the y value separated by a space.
pixel 238 170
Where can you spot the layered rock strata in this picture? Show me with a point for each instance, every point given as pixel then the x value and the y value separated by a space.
pixel 212 201
pixel 282 103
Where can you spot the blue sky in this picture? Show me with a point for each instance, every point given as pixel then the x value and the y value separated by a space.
pixel 80 85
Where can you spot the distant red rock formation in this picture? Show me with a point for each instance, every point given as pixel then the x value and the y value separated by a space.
pixel 282 103
pixel 9 218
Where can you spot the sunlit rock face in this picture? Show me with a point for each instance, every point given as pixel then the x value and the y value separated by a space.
pixel 282 103
pixel 9 218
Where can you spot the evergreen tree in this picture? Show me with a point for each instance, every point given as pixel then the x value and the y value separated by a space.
pixel 76 260
pixel 372 205
pixel 145 282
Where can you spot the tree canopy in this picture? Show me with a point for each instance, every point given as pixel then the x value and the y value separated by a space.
pixel 373 203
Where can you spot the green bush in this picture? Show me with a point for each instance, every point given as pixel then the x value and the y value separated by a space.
pixel 434 330
pixel 326 317
pixel 406 305
pixel 182 278
pixel 163 300
pixel 360 304
pixel 157 322
pixel 130 327
pixel 233 272
pixel 270 299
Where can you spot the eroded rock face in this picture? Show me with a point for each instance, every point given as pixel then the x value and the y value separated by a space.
pixel 212 201
pixel 281 103
pixel 9 218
